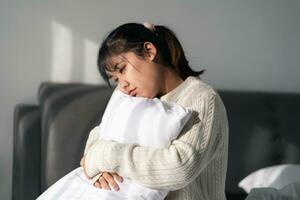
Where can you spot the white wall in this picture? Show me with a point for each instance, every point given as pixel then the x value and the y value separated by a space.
pixel 244 45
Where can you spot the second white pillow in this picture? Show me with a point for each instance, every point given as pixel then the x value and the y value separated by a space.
pixel 277 176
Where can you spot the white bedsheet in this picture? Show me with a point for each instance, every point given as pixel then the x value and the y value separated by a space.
pixel 75 185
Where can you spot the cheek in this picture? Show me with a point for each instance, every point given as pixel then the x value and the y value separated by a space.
pixel 146 80
pixel 133 77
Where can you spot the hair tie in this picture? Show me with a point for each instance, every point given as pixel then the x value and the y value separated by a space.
pixel 149 26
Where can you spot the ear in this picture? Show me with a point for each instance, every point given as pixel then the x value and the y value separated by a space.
pixel 151 50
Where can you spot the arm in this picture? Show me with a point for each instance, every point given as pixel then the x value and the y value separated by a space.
pixel 169 168
pixel 92 138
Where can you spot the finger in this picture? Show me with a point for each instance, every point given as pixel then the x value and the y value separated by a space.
pixel 104 183
pixel 109 178
pixel 117 177
pixel 97 185
pixel 111 181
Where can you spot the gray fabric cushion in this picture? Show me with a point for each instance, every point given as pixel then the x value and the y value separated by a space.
pixel 263 131
pixel 27 152
pixel 69 112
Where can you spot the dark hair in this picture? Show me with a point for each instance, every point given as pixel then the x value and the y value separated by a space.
pixel 132 36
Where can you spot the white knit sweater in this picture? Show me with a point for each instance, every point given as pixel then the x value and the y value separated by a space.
pixel 193 167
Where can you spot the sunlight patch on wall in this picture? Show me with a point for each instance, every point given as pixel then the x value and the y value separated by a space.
pixel 90 71
pixel 61 53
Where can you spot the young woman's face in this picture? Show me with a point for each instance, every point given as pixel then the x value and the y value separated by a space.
pixel 136 76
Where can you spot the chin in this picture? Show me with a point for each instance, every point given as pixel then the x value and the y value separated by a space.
pixel 146 95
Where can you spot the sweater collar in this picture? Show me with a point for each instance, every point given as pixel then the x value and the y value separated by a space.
pixel 173 94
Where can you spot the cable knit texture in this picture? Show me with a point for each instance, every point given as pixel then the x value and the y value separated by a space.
pixel 193 167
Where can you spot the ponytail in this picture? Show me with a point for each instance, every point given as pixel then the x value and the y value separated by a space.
pixel 176 53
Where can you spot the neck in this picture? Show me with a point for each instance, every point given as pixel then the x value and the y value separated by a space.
pixel 171 81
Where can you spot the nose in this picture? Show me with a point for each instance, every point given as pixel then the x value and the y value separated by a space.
pixel 124 85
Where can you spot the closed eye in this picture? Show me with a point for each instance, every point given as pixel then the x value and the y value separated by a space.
pixel 122 69
pixel 114 79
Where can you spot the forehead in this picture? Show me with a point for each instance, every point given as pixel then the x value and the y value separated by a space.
pixel 113 61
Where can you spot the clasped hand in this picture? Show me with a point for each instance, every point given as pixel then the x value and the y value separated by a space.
pixel 106 181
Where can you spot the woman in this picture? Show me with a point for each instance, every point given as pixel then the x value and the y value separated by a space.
pixel 148 61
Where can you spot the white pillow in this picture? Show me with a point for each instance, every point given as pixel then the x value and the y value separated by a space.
pixel 276 176
pixel 144 121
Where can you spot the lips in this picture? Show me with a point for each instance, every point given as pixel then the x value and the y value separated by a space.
pixel 132 92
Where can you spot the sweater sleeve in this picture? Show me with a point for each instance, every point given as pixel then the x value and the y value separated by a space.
pixel 169 168
pixel 92 138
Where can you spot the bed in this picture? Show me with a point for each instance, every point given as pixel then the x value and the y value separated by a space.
pixel 263 132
